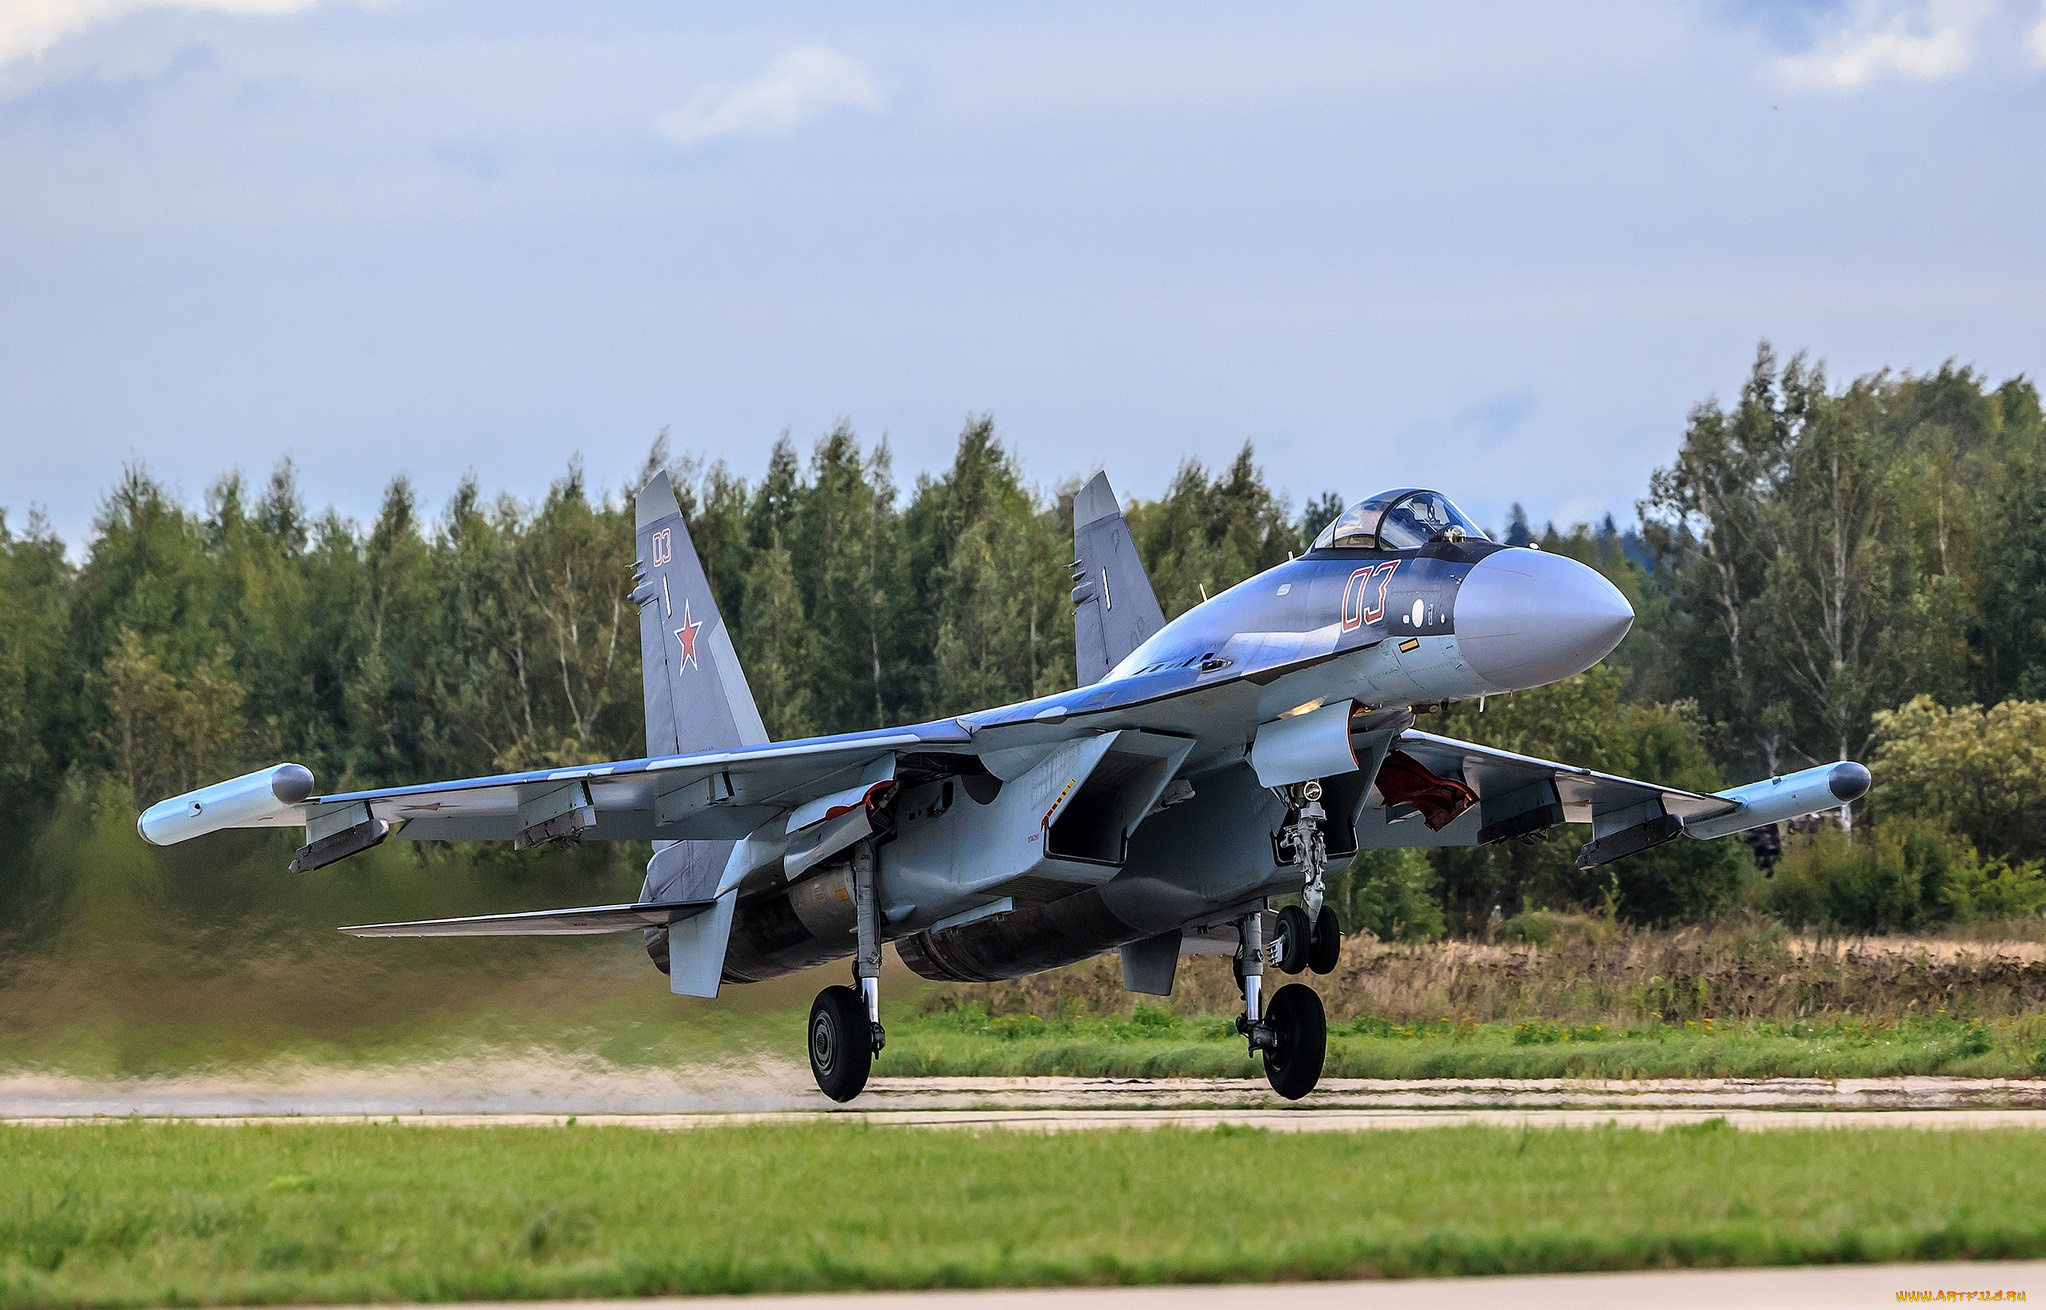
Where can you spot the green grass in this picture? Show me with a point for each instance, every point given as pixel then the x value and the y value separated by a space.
pixel 135 1213
pixel 1153 1043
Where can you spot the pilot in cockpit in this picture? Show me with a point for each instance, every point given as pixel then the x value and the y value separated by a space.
pixel 1398 520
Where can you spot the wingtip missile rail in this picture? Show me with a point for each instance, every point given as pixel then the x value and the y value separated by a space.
pixel 1789 796
pixel 271 796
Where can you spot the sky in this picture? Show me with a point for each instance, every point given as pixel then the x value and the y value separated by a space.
pixel 1497 249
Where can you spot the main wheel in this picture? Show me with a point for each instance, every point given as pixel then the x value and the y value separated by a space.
pixel 841 1042
pixel 1293 1067
pixel 1328 942
pixel 1295 938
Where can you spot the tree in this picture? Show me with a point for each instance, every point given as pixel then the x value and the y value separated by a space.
pixel 573 572
pixel 167 734
pixel 844 553
pixel 38 673
pixel 1391 894
pixel 1822 553
pixel 777 643
pixel 1704 518
pixel 1209 533
pixel 2011 631
pixel 1518 532
pixel 983 560
pixel 394 728
pixel 1982 773
pixel 1838 595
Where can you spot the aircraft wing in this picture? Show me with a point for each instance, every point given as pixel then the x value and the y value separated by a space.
pixel 1446 792
pixel 711 796
pixel 1582 793
pixel 727 794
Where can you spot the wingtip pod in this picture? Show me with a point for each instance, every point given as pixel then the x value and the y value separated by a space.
pixel 1848 781
pixel 266 798
pixel 1792 796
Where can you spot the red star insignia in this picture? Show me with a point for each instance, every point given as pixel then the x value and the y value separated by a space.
pixel 686 634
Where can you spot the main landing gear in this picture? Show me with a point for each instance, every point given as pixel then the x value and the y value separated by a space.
pixel 845 1024
pixel 1293 1032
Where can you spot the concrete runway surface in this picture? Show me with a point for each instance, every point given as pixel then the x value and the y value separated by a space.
pixel 1291 1120
pixel 537 1092
pixel 1690 1289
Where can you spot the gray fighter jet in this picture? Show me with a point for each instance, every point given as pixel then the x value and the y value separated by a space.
pixel 1203 769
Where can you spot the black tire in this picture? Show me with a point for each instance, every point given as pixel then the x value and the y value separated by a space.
pixel 841 1042
pixel 1328 942
pixel 1293 1067
pixel 1296 938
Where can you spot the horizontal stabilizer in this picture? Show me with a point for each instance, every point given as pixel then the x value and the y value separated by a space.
pixel 576 921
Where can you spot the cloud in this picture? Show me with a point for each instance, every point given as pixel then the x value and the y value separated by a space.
pixel 1923 42
pixel 795 88
pixel 2035 40
pixel 30 27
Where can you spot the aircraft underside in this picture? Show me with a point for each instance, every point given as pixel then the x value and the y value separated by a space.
pixel 1183 865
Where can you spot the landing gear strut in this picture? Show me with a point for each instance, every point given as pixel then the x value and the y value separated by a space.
pixel 1309 936
pixel 845 1023
pixel 1302 843
pixel 1294 1035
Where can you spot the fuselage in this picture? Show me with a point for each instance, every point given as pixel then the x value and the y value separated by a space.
pixel 974 883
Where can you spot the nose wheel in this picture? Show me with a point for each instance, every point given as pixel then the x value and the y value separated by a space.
pixel 1301 943
pixel 1308 935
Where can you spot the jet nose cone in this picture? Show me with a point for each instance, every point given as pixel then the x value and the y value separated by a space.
pixel 1524 618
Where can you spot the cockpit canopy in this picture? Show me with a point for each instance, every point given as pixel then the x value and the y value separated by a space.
pixel 1398 520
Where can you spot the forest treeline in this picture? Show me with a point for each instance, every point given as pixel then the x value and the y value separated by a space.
pixel 1823 571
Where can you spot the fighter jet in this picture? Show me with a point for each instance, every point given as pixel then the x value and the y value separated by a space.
pixel 1186 799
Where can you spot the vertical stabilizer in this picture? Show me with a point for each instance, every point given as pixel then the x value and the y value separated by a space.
pixel 696 696
pixel 696 700
pixel 1114 609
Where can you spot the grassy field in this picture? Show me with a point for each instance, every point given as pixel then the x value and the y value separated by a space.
pixel 142 1213
pixel 1153 1043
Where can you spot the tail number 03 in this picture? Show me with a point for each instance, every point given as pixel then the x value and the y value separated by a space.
pixel 1366 585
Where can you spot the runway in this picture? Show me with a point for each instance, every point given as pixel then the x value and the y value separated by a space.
pixel 534 1093
pixel 1294 1121
pixel 1713 1289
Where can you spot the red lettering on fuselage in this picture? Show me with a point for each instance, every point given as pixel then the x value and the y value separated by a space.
pixel 1360 588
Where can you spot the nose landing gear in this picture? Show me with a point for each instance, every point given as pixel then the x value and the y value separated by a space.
pixel 1293 1034
pixel 1309 936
